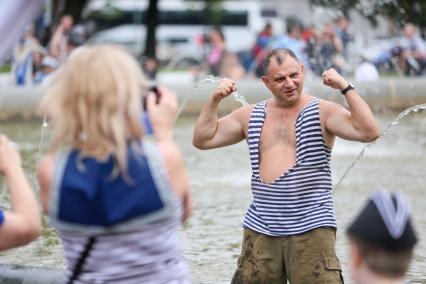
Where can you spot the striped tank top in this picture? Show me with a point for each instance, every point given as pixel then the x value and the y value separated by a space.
pixel 136 224
pixel 301 198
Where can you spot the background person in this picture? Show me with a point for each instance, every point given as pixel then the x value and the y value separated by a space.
pixel 116 198
pixel 413 51
pixel 77 37
pixel 293 40
pixel 49 65
pixel 290 226
pixel 221 61
pixel 381 240
pixel 342 31
pixel 27 56
pixel 331 49
pixel 261 47
pixel 21 224
pixel 58 46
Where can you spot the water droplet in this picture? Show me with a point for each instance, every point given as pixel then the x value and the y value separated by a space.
pixel 207 79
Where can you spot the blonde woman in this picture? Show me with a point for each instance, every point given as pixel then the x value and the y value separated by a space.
pixel 116 199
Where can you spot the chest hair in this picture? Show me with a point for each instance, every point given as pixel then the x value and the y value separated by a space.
pixel 278 129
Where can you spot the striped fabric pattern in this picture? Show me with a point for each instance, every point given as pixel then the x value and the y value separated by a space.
pixel 301 198
pixel 149 255
pixel 142 249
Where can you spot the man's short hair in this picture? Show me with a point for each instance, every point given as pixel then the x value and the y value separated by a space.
pixel 279 54
pixel 392 264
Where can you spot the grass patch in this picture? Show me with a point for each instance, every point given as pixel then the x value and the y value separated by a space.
pixel 5 68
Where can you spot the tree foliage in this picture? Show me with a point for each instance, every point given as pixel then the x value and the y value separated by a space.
pixel 212 8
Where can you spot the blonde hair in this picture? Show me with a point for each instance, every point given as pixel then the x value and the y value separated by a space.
pixel 94 103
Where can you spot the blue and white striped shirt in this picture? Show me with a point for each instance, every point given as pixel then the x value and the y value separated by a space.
pixel 136 223
pixel 301 198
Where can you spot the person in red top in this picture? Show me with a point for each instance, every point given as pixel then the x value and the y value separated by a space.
pixel 260 48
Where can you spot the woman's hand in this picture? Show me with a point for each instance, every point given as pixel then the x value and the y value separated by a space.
pixel 162 115
pixel 10 159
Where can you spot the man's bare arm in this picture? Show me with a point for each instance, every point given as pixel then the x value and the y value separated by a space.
pixel 358 122
pixel 211 132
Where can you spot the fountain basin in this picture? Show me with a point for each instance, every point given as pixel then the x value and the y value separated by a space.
pixel 384 94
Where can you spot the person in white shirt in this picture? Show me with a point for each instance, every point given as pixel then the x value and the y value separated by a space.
pixel 413 51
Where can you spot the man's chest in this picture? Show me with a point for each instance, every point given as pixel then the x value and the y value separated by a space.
pixel 278 131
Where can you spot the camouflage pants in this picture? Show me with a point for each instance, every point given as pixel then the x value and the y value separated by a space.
pixel 300 259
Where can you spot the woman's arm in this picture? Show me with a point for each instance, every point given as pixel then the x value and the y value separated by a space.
pixel 44 175
pixel 162 117
pixel 22 223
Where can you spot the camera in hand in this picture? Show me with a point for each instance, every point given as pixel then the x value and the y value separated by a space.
pixel 157 93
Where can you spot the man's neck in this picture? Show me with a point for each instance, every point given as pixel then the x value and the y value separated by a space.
pixel 366 276
pixel 297 105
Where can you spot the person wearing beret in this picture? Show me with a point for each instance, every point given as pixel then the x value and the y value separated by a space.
pixel 382 240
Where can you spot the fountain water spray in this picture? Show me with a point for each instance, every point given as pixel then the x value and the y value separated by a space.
pixel 44 125
pixel 209 79
pixel 366 147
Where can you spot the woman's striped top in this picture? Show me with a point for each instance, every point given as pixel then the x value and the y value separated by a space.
pixel 149 255
pixel 301 198
pixel 135 224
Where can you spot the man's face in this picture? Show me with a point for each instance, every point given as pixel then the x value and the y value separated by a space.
pixel 67 23
pixel 409 31
pixel 285 79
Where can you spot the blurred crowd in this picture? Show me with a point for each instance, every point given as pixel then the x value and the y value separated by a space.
pixel 320 48
pixel 407 56
pixel 35 61
pixel 317 47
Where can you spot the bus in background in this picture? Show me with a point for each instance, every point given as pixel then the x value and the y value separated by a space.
pixel 182 25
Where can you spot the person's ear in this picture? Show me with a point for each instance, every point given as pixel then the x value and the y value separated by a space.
pixel 356 259
pixel 265 81
pixel 302 68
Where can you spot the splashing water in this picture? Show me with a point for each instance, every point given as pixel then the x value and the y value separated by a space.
pixel 178 59
pixel 44 125
pixel 415 108
pixel 209 79
pixel 239 98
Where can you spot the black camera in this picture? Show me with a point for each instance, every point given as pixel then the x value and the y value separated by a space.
pixel 157 93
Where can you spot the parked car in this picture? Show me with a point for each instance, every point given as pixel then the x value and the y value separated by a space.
pixel 170 42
